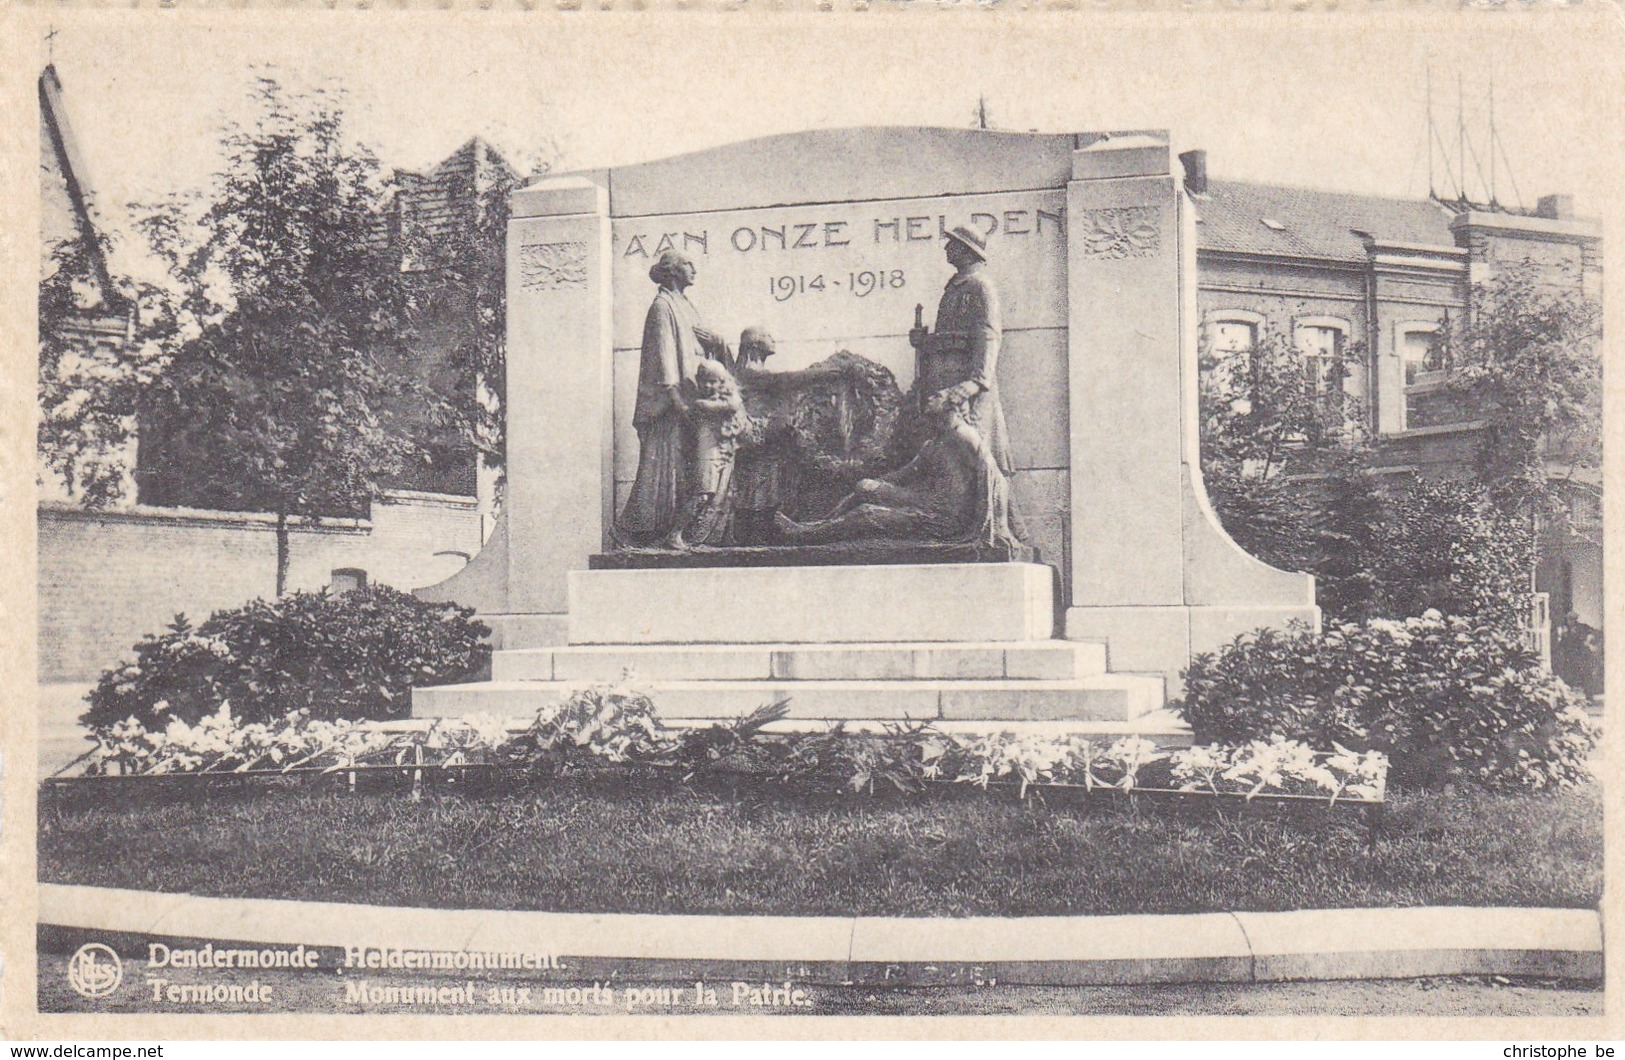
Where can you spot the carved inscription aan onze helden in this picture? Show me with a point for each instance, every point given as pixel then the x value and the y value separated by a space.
pixel 815 235
pixel 1121 232
pixel 552 266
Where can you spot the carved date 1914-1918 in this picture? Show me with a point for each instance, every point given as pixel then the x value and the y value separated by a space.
pixel 860 284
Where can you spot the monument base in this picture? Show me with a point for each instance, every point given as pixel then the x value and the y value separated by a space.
pixel 852 554
pixel 1163 640
pixel 967 644
pixel 840 604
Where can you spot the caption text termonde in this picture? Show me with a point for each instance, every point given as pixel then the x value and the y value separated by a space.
pixel 386 961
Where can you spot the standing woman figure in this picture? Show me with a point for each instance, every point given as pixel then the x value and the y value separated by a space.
pixel 674 342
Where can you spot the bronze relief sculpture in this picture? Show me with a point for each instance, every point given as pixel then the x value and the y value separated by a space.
pixel 733 454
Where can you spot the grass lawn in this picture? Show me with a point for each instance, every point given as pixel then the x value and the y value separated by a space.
pixel 588 848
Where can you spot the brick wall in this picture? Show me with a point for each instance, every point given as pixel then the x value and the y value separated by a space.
pixel 107 578
pixel 1436 405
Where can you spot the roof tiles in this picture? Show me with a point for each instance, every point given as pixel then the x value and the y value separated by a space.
pixel 1239 217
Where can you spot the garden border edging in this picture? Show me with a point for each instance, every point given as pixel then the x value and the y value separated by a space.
pixel 1067 950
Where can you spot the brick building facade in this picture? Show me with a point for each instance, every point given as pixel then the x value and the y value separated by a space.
pixel 1385 277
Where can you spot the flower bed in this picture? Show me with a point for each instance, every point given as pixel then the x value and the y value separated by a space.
pixel 609 729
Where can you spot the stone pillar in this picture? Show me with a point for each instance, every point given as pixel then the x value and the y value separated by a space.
pixel 1153 573
pixel 1389 372
pixel 558 406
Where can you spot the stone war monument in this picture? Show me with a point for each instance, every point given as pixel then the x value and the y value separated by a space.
pixel 889 422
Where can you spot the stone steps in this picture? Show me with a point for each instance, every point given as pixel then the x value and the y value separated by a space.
pixel 1100 697
pixel 954 643
pixel 1044 660
pixel 1165 727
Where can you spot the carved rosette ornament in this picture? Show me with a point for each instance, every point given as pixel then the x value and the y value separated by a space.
pixel 1122 232
pixel 552 266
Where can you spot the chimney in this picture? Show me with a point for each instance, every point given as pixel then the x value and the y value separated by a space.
pixel 1195 163
pixel 1555 207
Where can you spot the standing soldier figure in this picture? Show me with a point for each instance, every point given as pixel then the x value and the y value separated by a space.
pixel 960 358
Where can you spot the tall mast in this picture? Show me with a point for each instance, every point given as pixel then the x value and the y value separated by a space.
pixel 1461 141
pixel 1493 203
pixel 1432 193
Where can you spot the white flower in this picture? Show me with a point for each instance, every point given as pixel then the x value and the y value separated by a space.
pixel 489 730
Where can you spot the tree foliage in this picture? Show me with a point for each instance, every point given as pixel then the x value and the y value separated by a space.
pixel 1528 359
pixel 458 274
pixel 293 354
pixel 1448 699
pixel 1442 545
pixel 94 361
pixel 1269 409
pixel 1289 471
pixel 1269 418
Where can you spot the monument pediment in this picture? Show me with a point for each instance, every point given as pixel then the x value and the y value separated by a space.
pixel 843 165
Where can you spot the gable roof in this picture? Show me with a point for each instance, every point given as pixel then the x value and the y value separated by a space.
pixel 64 149
pixel 1244 218
pixel 441 199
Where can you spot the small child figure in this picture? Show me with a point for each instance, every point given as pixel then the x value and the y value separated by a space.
pixel 720 429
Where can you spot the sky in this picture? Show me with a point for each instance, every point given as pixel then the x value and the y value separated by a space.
pixel 1325 100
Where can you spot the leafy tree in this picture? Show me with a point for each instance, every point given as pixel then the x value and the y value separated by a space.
pixel 1528 359
pixel 1284 458
pixel 92 368
pixel 1443 545
pixel 1348 521
pixel 458 273
pixel 291 363
pixel 1263 411
pixel 1288 470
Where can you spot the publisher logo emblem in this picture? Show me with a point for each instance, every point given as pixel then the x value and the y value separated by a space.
pixel 95 971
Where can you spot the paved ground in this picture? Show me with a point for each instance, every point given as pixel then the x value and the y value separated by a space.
pixel 60 738
pixel 1393 997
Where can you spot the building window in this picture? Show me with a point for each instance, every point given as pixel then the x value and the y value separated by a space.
pixel 1228 335
pixel 1423 353
pixel 1585 509
pixel 1320 344
pixel 1232 336
pixel 1227 332
pixel 346 578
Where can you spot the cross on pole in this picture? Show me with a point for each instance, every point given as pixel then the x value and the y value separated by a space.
pixel 50 46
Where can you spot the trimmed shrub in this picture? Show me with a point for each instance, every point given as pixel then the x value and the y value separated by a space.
pixel 356 655
pixel 1444 547
pixel 1447 699
pixel 1381 551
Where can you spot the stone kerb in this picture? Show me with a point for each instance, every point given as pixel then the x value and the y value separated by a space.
pixel 896 951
